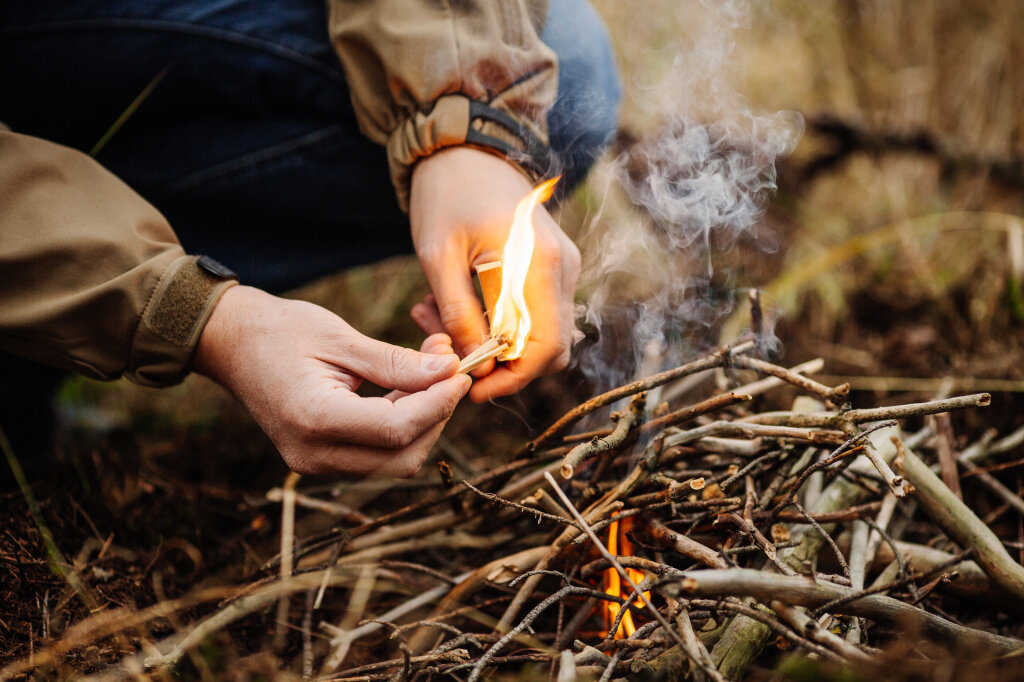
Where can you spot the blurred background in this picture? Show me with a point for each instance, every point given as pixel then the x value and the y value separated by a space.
pixel 893 246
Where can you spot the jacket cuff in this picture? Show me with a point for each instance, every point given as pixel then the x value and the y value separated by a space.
pixel 173 319
pixel 458 120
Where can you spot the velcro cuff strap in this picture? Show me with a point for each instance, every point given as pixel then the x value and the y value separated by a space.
pixel 174 318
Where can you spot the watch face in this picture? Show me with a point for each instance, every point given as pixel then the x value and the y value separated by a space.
pixel 215 268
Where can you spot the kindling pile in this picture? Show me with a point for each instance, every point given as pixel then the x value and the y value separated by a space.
pixel 680 540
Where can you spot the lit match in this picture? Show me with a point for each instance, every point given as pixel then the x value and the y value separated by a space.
pixel 503 285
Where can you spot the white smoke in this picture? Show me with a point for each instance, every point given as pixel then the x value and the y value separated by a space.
pixel 690 191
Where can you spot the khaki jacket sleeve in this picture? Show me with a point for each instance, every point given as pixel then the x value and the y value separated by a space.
pixel 427 74
pixel 92 278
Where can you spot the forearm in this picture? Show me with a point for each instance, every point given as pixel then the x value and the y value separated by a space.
pixel 92 278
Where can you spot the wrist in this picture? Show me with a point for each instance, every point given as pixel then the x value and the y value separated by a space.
pixel 228 326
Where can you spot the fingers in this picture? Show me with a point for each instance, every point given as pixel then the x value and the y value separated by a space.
pixel 458 308
pixel 297 368
pixel 396 367
pixel 383 423
pixel 426 316
pixel 348 433
pixel 407 461
pixel 437 343
pixel 369 461
pixel 461 204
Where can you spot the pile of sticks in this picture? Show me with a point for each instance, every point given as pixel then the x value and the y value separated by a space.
pixel 819 531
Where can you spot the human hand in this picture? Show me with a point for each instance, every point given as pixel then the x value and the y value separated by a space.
pixel 296 367
pixel 461 207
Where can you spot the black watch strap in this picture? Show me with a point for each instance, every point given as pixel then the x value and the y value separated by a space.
pixel 534 155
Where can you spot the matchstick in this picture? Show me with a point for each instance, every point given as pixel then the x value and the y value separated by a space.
pixel 491 348
pixel 487 346
pixel 489 276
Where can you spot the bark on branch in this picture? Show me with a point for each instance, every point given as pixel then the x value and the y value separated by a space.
pixel 801 591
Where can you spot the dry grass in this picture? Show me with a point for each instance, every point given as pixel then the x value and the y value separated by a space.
pixel 952 71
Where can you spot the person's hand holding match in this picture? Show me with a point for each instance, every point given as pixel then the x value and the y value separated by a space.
pixel 296 368
pixel 461 206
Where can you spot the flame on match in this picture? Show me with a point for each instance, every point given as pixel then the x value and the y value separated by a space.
pixel 511 317
pixel 619 544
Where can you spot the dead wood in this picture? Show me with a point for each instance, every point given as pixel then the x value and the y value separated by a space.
pixel 624 422
pixel 493 572
pixel 836 396
pixel 800 591
pixel 956 518
pixel 686 546
pixel 571 417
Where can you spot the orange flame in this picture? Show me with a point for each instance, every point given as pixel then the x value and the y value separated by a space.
pixel 511 317
pixel 619 544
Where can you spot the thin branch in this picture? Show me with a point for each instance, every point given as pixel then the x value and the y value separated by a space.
pixel 481 663
pixel 572 416
pixel 900 561
pixel 287 548
pixel 886 587
pixel 861 416
pixel 754 464
pixel 828 538
pixel 993 484
pixel 764 617
pixel 536 513
pixel 837 396
pixel 962 525
pixel 624 422
pixel 742 429
pixel 712 404
pixel 810 629
pixel 661 534
pixel 895 482
pixel 797 590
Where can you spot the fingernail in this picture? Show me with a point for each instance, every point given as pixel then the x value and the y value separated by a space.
pixel 435 363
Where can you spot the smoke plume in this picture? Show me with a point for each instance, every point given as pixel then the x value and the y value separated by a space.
pixel 671 202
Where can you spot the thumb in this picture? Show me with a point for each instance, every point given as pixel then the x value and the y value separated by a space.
pixel 396 367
